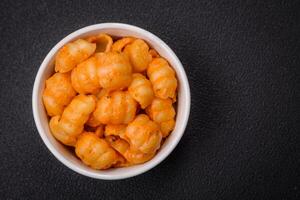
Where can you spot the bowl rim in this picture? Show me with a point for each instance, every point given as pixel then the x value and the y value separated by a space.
pixel 148 165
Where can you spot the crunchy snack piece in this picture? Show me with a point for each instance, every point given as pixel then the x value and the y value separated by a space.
pixel 103 42
pixel 67 127
pixel 58 93
pixel 141 90
pixel 143 134
pixel 114 70
pixel 119 45
pixel 163 79
pixel 116 130
pixel 95 152
pixel 115 108
pixel 72 54
pixel 138 53
pixel 132 156
pixel 84 77
pixel 162 112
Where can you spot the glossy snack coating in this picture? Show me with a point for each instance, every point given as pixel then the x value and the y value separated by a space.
pixel 141 90
pixel 114 70
pixel 72 54
pixel 67 127
pixel 163 79
pixel 58 93
pixel 84 77
pixel 115 108
pixel 143 134
pixel 95 152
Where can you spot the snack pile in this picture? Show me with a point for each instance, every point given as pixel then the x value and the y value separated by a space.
pixel 112 100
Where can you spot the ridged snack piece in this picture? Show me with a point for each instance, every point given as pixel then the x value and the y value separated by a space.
pixel 141 90
pixel 95 152
pixel 131 155
pixel 163 79
pixel 84 77
pixel 103 42
pixel 139 56
pixel 72 54
pixel 120 44
pixel 58 93
pixel 115 108
pixel 71 123
pixel 162 112
pixel 143 134
pixel 114 70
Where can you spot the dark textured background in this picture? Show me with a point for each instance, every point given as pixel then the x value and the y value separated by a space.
pixel 242 61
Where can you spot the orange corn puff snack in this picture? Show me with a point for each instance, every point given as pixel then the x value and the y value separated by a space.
pixel 143 134
pixel 162 112
pixel 58 93
pixel 115 108
pixel 103 42
pixel 114 70
pixel 132 156
pixel 141 90
pixel 95 152
pixel 72 54
pixel 84 77
pixel 119 45
pixel 138 53
pixel 67 127
pixel 163 79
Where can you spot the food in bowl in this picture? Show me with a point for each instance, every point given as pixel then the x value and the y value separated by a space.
pixel 111 99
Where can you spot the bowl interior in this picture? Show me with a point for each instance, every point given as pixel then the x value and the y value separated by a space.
pixel 68 157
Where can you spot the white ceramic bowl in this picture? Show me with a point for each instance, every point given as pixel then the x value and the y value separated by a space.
pixel 67 157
